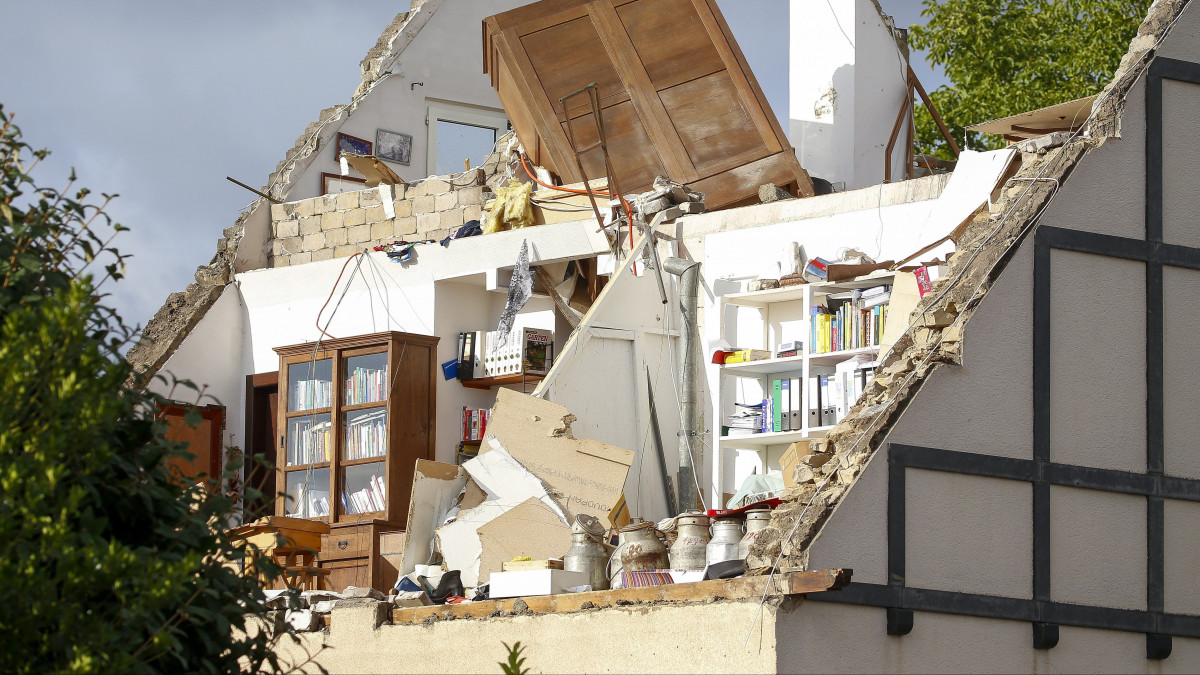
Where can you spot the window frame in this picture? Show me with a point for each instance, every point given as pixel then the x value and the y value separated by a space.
pixel 445 111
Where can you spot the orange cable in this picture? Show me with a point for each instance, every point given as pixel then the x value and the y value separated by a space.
pixel 335 284
pixel 628 210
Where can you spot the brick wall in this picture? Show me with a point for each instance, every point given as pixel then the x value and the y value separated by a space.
pixel 339 225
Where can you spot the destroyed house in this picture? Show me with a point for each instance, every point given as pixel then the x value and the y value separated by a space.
pixel 957 404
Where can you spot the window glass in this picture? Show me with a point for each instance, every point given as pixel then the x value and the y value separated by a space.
pixel 457 141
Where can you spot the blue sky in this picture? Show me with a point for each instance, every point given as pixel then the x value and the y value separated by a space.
pixel 160 101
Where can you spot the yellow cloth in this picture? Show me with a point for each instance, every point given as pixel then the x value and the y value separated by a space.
pixel 512 208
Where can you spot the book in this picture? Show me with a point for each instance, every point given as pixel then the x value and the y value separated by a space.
pixel 537 351
pixel 744 355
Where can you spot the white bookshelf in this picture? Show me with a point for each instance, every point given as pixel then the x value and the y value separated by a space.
pixel 784 314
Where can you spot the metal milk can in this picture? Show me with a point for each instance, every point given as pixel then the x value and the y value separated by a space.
pixel 641 549
pixel 587 554
pixel 726 536
pixel 756 520
pixel 688 551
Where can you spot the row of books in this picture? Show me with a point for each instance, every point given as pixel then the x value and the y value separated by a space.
pixel 849 320
pixel 310 442
pixel 366 436
pixel 474 423
pixel 311 394
pixel 827 400
pixel 367 500
pixel 366 385
pixel 310 503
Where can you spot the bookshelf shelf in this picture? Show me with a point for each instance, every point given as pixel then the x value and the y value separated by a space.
pixel 785 315
pixel 500 380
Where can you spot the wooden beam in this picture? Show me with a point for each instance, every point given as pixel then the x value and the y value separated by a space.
pixel 786 583
pixel 933 111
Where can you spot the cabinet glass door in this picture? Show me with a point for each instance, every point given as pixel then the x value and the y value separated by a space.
pixel 307 493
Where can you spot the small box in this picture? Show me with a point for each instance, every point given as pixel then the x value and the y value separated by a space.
pixel 524 583
pixel 793 346
pixel 789 460
pixel 537 351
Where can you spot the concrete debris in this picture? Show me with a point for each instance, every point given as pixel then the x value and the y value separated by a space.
pixel 359 592
pixel 771 192
pixel 303 620
pixel 1041 144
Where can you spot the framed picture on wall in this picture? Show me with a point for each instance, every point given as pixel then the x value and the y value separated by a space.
pixel 393 146
pixel 331 183
pixel 351 144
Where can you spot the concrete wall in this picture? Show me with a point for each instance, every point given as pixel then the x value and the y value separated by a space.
pixel 446 56
pixel 697 638
pixel 339 225
pixel 847 82
pixel 974 534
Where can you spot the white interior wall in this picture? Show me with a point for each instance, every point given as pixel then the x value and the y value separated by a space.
pixel 447 57
pixel 847 80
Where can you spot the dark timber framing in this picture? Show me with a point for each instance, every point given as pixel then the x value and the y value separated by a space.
pixel 1043 613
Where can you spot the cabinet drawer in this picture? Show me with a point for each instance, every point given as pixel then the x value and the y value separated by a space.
pixel 347 543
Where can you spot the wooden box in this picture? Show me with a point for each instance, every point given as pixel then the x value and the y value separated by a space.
pixel 676 94
pixel 351 553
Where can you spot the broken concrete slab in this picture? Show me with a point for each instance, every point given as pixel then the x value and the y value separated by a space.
pixel 360 592
pixel 436 486
pixel 303 620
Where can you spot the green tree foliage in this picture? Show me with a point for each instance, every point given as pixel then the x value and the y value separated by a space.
pixel 108 562
pixel 1009 56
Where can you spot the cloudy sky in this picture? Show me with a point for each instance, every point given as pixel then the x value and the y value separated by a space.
pixel 160 101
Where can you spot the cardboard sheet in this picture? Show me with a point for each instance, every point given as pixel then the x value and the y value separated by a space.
pixel 905 296
pixel 374 170
pixel 531 529
pixel 585 476
pixel 435 488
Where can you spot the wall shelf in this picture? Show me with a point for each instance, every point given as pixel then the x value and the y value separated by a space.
pixel 501 380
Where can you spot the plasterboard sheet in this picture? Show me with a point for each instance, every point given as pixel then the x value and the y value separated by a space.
pixel 435 488
pixel 969 188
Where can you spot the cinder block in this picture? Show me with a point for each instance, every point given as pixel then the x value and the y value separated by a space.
pixel 347 201
pixel 291 245
pixel 306 207
pixel 336 237
pixel 375 214
pixel 346 251
pixel 322 254
pixel 313 242
pixel 277 248
pixel 332 220
pixel 278 213
pixel 472 213
pixel 369 197
pixel 427 222
pixel 437 235
pixel 300 258
pixel 382 230
pixel 325 204
pixel 405 226
pixel 355 217
pixel 435 186
pixel 359 234
pixel 424 204
pixel 400 191
pixel 445 201
pixel 287 228
pixel 450 220
pixel 310 224
pixel 278 261
pixel 470 196
pixel 403 207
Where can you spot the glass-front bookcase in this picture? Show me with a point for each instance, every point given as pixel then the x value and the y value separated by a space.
pixel 355 415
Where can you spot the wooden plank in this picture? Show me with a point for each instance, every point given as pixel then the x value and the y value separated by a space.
pixel 671 41
pixel 741 183
pixel 716 129
pixel 786 583
pixel 650 109
pixel 547 136
pixel 760 110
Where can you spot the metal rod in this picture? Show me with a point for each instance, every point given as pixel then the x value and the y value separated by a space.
pixel 260 194
pixel 692 424
pixel 668 489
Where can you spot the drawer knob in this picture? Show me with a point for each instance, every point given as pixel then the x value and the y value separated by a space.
pixel 343 544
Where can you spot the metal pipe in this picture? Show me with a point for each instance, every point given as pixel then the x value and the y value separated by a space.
pixel 688 358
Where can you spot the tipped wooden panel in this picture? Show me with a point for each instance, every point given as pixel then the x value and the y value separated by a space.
pixel 569 56
pixel 716 129
pixel 633 156
pixel 671 40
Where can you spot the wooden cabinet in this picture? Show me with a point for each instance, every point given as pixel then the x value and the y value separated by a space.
pixel 676 95
pixel 355 414
pixel 351 555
